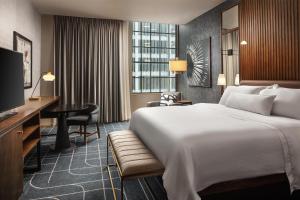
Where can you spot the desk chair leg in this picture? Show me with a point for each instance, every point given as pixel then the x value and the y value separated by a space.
pixel 84 130
pixel 98 129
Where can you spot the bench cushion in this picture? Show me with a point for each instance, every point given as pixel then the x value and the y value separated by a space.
pixel 133 157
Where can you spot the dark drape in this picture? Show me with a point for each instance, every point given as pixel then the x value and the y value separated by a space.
pixel 87 60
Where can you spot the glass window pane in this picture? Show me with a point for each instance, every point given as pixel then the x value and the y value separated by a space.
pixel 136 71
pixel 136 54
pixel 155 70
pixel 172 53
pixel 165 70
pixel 165 84
pixel 172 43
pixel 146 69
pixel 155 84
pixel 155 54
pixel 164 40
pixel 173 84
pixel 164 28
pixel 146 84
pixel 136 26
pixel 164 55
pixel 172 28
pixel 155 40
pixel 136 85
pixel 154 27
pixel 146 54
pixel 146 27
pixel 146 40
pixel 136 39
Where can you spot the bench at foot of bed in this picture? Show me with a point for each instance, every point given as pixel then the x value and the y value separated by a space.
pixel 133 159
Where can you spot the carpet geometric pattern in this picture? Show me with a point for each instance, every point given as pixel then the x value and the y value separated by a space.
pixel 79 172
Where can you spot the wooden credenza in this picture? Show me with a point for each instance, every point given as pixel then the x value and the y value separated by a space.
pixel 19 135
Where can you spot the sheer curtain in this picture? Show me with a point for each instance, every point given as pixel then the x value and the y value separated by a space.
pixel 125 54
pixel 230 62
pixel 90 64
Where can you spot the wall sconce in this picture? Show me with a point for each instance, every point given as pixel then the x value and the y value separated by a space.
pixel 244 42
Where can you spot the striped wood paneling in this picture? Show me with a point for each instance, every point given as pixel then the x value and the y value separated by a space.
pixel 272 30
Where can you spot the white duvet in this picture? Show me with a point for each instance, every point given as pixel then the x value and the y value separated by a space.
pixel 204 144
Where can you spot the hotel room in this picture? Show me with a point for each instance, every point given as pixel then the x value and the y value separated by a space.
pixel 170 99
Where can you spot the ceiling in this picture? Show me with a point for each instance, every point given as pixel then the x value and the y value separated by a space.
pixel 163 11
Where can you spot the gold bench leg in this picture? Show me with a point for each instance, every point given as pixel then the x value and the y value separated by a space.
pixel 109 173
pixel 111 183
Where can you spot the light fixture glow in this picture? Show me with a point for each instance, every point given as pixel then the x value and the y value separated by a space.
pixel 49 77
pixel 244 42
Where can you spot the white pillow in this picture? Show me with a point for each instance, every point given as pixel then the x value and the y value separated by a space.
pixel 260 104
pixel 286 103
pixel 240 89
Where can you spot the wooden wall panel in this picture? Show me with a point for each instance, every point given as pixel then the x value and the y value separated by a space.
pixel 272 30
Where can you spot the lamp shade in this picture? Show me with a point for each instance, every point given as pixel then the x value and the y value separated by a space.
pixel 221 79
pixel 177 65
pixel 49 77
pixel 237 79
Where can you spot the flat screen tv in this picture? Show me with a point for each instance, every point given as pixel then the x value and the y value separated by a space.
pixel 11 80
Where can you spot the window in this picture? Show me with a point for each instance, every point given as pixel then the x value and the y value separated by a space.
pixel 153 45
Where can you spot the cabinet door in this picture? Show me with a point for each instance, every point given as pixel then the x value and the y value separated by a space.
pixel 11 165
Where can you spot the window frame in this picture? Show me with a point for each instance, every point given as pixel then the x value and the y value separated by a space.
pixel 141 47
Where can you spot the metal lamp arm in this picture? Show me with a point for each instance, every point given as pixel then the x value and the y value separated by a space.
pixel 37 84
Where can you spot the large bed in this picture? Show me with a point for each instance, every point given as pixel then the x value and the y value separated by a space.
pixel 205 144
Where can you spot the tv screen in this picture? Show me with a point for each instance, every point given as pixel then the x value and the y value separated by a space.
pixel 11 80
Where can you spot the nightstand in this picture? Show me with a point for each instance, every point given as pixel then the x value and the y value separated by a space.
pixel 185 102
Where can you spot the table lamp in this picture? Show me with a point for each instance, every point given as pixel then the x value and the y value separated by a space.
pixel 237 79
pixel 47 76
pixel 178 66
pixel 222 81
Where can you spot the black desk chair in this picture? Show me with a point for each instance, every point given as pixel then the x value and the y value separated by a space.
pixel 90 116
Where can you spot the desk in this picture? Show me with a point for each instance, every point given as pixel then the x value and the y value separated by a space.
pixel 19 135
pixel 61 112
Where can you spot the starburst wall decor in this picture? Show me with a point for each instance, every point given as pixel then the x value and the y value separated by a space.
pixel 199 66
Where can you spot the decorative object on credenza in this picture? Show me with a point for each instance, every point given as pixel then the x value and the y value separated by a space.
pixel 178 66
pixel 24 45
pixel 199 63
pixel 47 76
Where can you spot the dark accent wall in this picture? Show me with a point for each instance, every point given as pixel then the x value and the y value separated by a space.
pixel 272 31
pixel 204 26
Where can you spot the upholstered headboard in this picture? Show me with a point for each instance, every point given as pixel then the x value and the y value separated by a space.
pixel 287 84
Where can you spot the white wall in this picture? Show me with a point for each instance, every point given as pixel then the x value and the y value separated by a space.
pixel 21 16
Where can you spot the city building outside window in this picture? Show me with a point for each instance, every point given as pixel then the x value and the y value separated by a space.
pixel 153 45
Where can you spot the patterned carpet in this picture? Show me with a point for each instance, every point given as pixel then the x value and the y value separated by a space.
pixel 80 173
